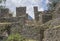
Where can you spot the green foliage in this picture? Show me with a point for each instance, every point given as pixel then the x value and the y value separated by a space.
pixel 53 3
pixel 0 1
pixel 15 37
pixel 31 40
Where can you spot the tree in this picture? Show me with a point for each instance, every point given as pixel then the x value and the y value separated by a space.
pixel 1 2
pixel 52 4
pixel 15 37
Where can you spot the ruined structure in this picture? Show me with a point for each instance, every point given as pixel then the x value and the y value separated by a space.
pixel 47 16
pixel 32 30
pixel 4 12
pixel 42 16
pixel 36 13
pixel 20 11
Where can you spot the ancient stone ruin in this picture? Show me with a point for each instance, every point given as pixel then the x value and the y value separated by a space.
pixel 39 29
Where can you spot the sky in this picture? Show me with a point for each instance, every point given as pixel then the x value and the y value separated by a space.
pixel 12 4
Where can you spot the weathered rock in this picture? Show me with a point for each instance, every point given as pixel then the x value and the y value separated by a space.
pixel 52 34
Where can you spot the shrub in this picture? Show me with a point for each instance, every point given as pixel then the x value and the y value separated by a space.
pixel 15 37
pixel 31 40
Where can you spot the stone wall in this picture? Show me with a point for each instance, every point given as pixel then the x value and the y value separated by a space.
pixel 34 32
pixel 46 18
pixel 12 19
pixel 42 16
pixel 29 32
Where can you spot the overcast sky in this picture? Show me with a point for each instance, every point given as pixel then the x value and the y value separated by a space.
pixel 42 5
